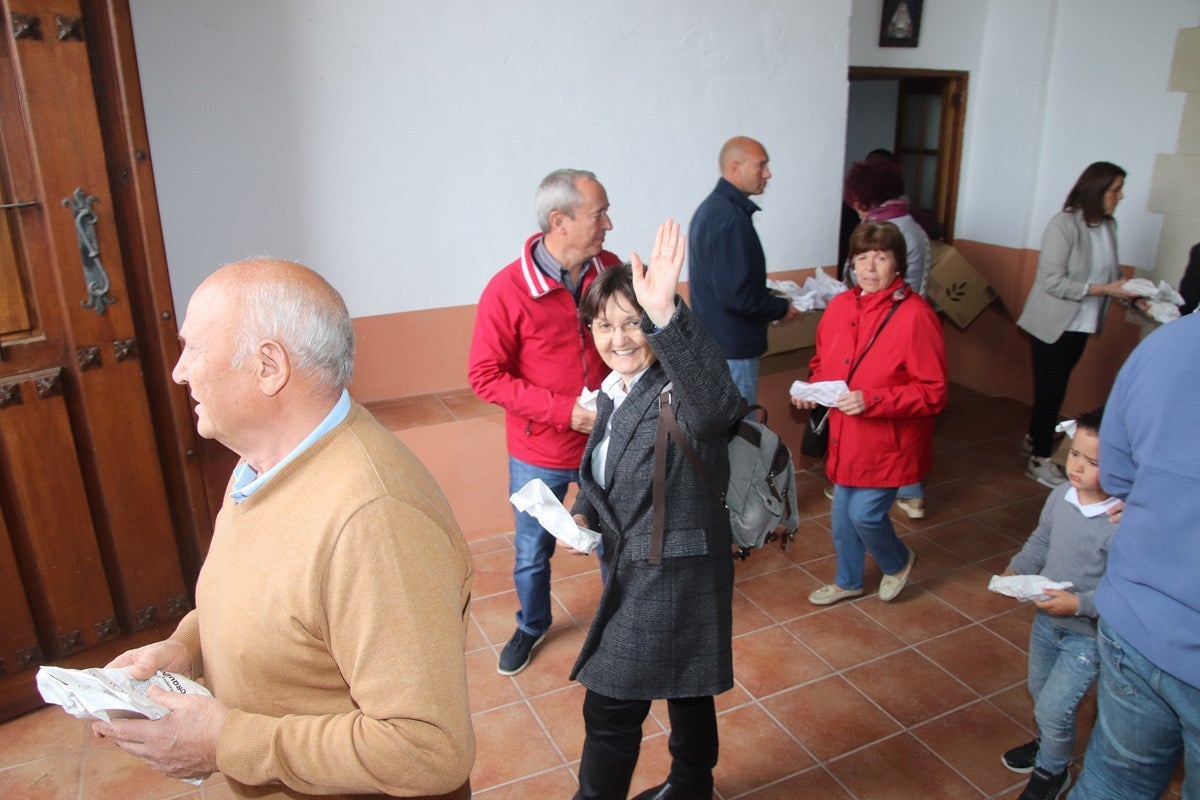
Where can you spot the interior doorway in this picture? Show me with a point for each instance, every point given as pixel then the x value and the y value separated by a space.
pixel 918 114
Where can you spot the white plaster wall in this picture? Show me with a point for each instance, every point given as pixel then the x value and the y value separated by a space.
pixel 396 146
pixel 1054 85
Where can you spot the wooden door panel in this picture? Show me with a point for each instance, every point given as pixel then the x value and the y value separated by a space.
pixel 51 525
pixel 120 457
pixel 95 542
pixel 19 647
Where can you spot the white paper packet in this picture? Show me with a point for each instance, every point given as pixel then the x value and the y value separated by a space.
pixel 825 393
pixel 108 694
pixel 1025 587
pixel 536 499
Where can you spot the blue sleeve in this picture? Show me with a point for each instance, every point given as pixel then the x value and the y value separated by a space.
pixel 737 288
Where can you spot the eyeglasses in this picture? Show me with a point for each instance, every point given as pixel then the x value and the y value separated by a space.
pixel 605 329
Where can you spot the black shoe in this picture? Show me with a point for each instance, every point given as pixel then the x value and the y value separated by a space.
pixel 1021 759
pixel 1045 786
pixel 669 791
pixel 517 654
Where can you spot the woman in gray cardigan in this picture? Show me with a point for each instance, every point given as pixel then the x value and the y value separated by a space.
pixel 1077 273
pixel 663 628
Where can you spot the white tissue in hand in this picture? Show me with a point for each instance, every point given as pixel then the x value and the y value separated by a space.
pixel 1026 587
pixel 587 398
pixel 536 499
pixel 108 694
pixel 823 393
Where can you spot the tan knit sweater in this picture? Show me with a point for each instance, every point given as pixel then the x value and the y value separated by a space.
pixel 330 617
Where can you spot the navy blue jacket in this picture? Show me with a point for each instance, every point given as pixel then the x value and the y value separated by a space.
pixel 727 274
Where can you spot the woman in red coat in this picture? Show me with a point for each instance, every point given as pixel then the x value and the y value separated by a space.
pixel 881 430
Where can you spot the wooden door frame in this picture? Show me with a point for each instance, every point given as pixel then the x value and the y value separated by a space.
pixel 108 32
pixel 954 116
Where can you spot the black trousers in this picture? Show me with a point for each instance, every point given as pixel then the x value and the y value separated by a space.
pixel 1052 365
pixel 613 739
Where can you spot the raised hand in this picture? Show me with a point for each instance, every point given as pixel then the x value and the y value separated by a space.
pixel 655 285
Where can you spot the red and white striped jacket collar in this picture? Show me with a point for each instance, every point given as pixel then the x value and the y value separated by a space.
pixel 538 282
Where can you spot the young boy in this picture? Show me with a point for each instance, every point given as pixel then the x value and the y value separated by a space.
pixel 1070 543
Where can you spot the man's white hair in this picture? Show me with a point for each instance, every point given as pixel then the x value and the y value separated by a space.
pixel 308 317
pixel 558 192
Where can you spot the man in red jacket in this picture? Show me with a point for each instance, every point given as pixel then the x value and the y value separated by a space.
pixel 531 355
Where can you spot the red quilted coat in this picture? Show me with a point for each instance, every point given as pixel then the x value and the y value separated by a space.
pixel 902 378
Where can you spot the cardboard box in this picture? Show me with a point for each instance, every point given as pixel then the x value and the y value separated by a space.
pixel 955 287
pixel 793 335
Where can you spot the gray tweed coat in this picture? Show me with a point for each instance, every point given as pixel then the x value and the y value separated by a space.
pixel 664 631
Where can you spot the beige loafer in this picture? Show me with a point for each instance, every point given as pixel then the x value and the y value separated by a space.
pixel 892 585
pixel 913 507
pixel 830 594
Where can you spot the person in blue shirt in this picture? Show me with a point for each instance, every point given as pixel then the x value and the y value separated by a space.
pixel 1148 698
pixel 727 271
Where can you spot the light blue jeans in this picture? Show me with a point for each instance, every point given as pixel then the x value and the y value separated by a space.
pixel 745 377
pixel 534 546
pixel 911 491
pixel 1062 667
pixel 861 526
pixel 1147 720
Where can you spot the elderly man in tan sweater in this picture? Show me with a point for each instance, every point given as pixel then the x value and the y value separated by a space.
pixel 331 608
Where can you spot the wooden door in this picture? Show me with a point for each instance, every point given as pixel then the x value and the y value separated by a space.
pixel 102 519
pixel 929 125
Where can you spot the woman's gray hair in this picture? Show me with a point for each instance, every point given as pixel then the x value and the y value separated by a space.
pixel 306 315
pixel 558 192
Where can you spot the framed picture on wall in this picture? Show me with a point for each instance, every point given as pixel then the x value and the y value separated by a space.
pixel 901 23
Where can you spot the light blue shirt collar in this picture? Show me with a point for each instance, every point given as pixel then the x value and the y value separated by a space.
pixel 246 481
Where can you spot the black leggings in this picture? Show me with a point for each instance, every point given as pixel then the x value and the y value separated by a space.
pixel 614 739
pixel 1052 365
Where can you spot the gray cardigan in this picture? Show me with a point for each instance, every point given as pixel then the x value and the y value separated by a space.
pixel 1067 546
pixel 663 631
pixel 1063 268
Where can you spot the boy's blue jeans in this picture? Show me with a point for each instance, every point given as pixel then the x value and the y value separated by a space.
pixel 534 546
pixel 1062 667
pixel 1147 720
pixel 861 526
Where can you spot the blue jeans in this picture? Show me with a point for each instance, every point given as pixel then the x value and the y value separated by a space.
pixel 1147 720
pixel 911 491
pixel 1062 667
pixel 861 526
pixel 745 377
pixel 534 546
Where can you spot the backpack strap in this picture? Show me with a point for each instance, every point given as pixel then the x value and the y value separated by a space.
pixel 668 428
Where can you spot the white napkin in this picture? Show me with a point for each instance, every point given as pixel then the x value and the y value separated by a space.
pixel 1162 300
pixel 535 498
pixel 587 398
pixel 1025 587
pixel 1067 426
pixel 824 393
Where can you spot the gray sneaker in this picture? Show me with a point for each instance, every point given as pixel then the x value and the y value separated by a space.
pixel 517 654
pixel 1045 472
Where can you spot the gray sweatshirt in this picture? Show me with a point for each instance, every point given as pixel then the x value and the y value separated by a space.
pixel 1067 546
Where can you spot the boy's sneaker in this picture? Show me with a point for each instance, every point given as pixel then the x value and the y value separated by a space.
pixel 1045 472
pixel 517 654
pixel 1045 786
pixel 1022 759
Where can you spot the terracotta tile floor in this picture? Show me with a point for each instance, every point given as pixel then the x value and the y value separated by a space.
pixel 913 699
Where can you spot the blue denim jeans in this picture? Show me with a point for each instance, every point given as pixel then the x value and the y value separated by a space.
pixel 911 491
pixel 1062 667
pixel 861 526
pixel 534 546
pixel 745 377
pixel 1147 720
